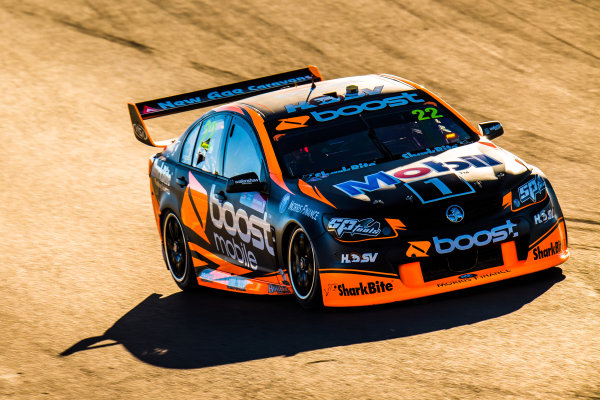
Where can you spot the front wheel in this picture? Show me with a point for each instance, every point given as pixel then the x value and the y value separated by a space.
pixel 177 256
pixel 304 271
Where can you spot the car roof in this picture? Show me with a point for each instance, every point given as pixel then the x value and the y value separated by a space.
pixel 272 104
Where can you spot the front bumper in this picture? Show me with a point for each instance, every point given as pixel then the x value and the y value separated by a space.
pixel 356 287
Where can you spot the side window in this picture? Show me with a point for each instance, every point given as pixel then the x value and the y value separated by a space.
pixel 188 146
pixel 241 153
pixel 208 150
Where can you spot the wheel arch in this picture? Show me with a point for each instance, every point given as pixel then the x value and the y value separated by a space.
pixel 285 240
pixel 313 298
pixel 163 214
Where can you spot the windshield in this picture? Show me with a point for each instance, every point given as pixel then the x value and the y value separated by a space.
pixel 333 138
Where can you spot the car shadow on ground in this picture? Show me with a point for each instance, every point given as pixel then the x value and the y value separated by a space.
pixel 209 328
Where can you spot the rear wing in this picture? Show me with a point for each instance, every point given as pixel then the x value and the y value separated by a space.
pixel 212 97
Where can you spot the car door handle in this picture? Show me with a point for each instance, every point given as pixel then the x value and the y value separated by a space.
pixel 220 197
pixel 181 181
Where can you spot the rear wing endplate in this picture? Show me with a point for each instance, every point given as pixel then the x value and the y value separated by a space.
pixel 212 97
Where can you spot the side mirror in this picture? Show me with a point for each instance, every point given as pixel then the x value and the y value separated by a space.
pixel 247 182
pixel 491 129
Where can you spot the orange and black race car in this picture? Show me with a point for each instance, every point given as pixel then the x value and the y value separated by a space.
pixel 348 192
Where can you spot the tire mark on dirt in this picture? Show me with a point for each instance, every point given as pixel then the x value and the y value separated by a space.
pixel 500 58
pixel 584 221
pixel 570 44
pixel 402 6
pixel 464 15
pixel 584 247
pixel 86 30
pixel 515 15
pixel 304 46
pixel 392 51
pixel 216 72
pixel 319 361
pixel 541 138
pixel 527 140
pixel 103 35
pixel 584 5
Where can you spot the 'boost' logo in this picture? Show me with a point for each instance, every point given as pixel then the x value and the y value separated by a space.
pixel 481 238
pixel 252 231
pixel 373 105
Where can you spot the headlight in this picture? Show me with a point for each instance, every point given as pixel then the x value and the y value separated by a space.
pixel 531 192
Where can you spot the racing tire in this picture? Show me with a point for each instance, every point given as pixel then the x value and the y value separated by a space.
pixel 176 253
pixel 303 270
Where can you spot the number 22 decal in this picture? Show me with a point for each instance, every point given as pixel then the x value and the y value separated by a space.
pixel 433 113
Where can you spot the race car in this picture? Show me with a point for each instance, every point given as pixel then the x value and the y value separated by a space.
pixel 345 192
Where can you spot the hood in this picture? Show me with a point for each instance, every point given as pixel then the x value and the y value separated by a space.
pixel 480 172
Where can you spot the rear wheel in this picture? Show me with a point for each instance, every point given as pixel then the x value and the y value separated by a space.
pixel 303 270
pixel 175 251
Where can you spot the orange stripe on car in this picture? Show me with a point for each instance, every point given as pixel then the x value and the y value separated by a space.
pixel 272 164
pixel 195 200
pixel 233 269
pixel 224 266
pixel 507 200
pixel 489 144
pixel 547 233
pixel 313 192
pixel 198 262
pixel 292 123
pixel 396 224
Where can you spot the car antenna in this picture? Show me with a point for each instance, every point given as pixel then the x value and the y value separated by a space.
pixel 312 87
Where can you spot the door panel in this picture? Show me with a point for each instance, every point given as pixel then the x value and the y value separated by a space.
pixel 242 235
pixel 201 158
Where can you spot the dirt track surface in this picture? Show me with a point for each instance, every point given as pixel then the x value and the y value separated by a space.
pixel 88 309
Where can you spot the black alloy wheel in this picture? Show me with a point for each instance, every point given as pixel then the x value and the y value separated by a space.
pixel 176 253
pixel 303 270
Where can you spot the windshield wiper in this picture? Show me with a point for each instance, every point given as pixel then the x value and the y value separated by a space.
pixel 378 143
